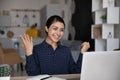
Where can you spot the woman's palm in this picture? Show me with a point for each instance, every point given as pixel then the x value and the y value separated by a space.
pixel 27 44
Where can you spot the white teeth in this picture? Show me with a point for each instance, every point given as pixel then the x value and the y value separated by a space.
pixel 55 36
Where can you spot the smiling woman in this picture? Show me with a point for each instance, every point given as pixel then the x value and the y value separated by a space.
pixel 51 57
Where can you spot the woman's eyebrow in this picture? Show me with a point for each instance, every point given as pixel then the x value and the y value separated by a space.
pixel 55 26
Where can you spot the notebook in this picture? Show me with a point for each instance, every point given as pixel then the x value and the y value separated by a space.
pixel 104 65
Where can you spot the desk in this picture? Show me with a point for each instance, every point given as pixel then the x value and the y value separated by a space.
pixel 65 76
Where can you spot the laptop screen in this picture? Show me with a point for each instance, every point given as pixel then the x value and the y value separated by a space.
pixel 103 65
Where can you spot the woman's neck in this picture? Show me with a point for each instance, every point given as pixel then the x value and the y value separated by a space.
pixel 53 44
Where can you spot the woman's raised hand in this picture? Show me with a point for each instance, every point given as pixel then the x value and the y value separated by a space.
pixel 85 47
pixel 27 44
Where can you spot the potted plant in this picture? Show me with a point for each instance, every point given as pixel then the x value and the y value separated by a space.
pixel 104 18
pixel 5 72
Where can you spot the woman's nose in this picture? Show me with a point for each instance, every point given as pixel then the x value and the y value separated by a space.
pixel 58 32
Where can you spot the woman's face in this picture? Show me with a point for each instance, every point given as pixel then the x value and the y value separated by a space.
pixel 55 31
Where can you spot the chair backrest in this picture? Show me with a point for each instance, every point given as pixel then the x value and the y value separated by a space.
pixel 1 49
pixel 1 54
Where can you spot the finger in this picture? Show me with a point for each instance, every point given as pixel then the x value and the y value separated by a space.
pixel 23 39
pixel 84 43
pixel 31 40
pixel 27 37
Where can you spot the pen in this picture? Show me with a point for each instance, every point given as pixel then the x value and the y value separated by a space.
pixel 45 78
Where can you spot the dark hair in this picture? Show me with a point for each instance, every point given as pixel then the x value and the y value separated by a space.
pixel 54 18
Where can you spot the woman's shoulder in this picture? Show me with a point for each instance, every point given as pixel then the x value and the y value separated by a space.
pixel 39 45
pixel 65 48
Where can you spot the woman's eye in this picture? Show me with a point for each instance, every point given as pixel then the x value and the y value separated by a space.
pixel 62 30
pixel 54 28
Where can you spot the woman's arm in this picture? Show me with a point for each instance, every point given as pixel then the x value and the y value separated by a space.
pixel 76 67
pixel 32 67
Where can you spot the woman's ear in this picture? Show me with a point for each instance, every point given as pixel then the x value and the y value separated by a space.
pixel 46 29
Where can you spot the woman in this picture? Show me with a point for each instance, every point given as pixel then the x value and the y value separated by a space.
pixel 50 57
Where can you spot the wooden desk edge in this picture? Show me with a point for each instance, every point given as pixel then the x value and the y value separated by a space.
pixel 65 76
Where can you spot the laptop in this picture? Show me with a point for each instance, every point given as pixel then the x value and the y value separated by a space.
pixel 104 65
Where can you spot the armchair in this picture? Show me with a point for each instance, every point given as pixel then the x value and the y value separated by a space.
pixel 9 56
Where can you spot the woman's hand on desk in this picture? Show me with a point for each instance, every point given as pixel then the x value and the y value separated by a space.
pixel 85 47
pixel 27 44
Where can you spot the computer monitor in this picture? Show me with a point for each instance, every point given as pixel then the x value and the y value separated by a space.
pixel 104 65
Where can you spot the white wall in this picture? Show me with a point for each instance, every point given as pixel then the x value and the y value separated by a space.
pixel 22 4
pixel 32 4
